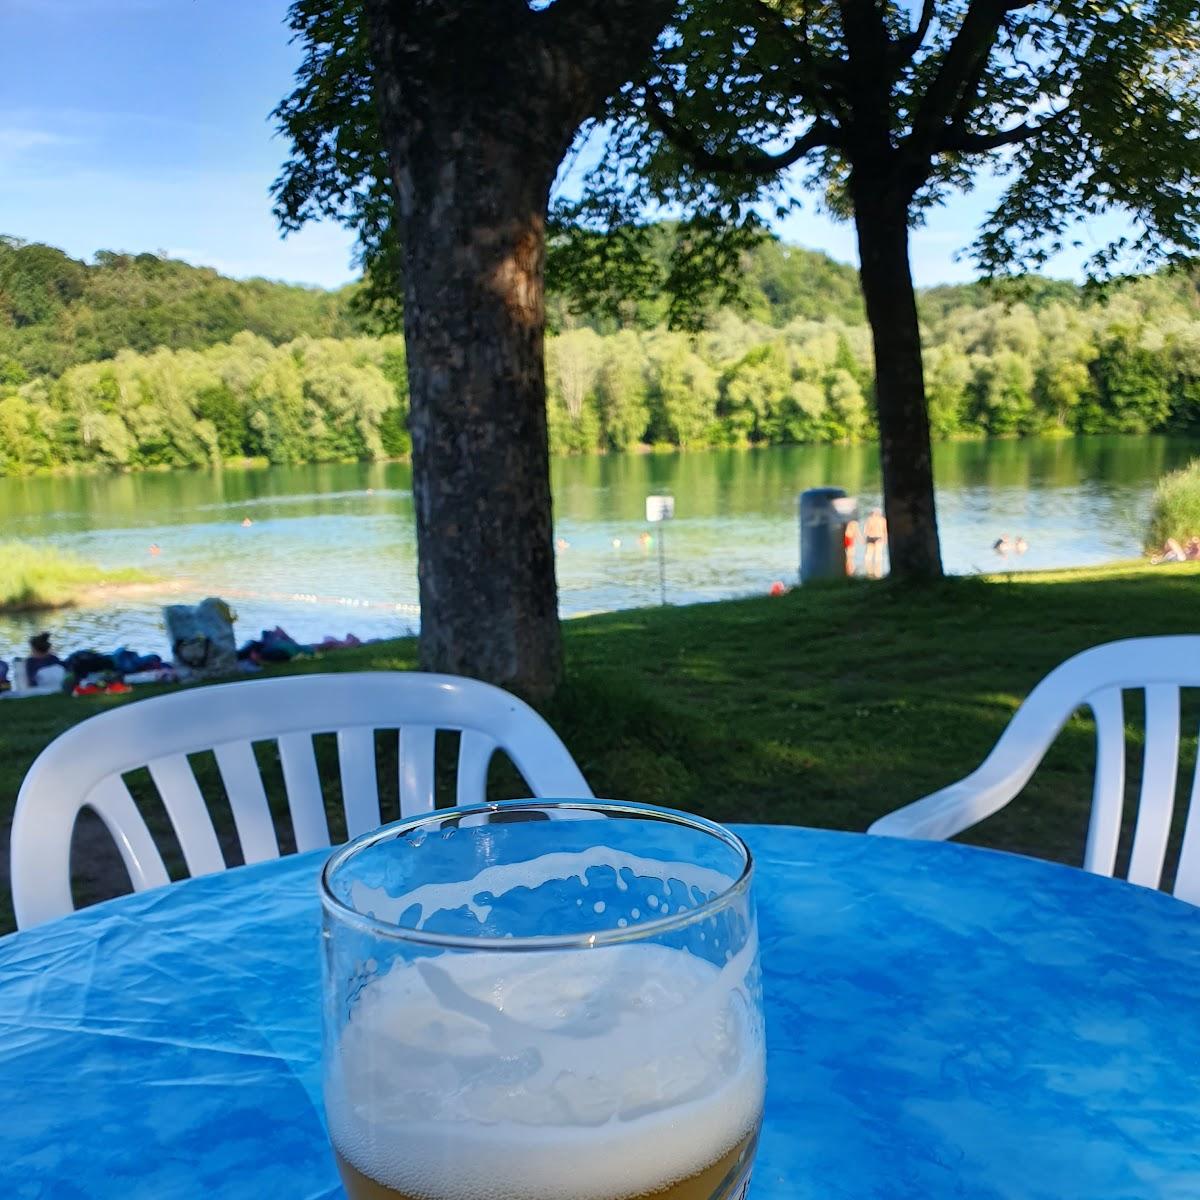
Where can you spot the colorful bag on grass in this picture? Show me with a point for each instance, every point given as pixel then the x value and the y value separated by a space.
pixel 201 639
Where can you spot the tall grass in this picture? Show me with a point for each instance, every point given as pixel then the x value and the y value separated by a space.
pixel 1176 511
pixel 34 576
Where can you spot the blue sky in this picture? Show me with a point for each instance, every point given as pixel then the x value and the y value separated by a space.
pixel 143 125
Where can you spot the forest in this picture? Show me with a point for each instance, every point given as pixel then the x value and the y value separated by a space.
pixel 137 362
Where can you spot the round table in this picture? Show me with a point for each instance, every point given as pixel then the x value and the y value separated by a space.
pixel 942 1021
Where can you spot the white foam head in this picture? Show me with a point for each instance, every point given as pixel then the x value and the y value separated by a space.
pixel 610 1072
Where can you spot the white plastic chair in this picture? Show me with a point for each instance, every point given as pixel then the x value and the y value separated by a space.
pixel 84 766
pixel 1095 678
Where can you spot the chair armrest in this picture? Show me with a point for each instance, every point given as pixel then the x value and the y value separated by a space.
pixel 947 812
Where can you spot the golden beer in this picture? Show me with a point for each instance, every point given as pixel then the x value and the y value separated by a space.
pixel 633 1072
pixel 714 1182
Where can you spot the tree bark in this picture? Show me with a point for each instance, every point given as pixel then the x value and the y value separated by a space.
pixel 474 321
pixel 881 220
pixel 478 102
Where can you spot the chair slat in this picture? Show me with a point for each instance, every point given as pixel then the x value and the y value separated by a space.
pixel 305 799
pixel 475 752
pixel 1157 801
pixel 248 801
pixel 189 814
pixel 1108 793
pixel 114 805
pixel 1187 877
pixel 360 786
pixel 417 744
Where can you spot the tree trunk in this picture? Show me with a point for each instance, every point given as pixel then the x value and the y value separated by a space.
pixel 474 318
pixel 478 101
pixel 473 155
pixel 881 219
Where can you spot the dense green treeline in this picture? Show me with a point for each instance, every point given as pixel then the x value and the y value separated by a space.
pixel 1130 365
pixel 1046 365
pixel 309 400
pixel 189 368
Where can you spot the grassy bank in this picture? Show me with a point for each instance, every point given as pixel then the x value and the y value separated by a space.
pixel 828 706
pixel 34 577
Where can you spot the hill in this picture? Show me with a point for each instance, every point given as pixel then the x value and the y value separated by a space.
pixel 56 311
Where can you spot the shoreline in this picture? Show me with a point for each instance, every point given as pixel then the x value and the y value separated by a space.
pixel 639 449
pixel 98 595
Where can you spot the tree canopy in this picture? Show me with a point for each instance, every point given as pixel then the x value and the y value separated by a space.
pixel 1080 108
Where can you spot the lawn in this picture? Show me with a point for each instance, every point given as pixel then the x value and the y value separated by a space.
pixel 828 706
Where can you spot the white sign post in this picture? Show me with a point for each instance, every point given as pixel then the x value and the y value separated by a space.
pixel 658 510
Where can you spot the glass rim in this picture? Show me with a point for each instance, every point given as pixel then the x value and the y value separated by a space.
pixel 614 935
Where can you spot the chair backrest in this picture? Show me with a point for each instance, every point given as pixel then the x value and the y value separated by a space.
pixel 84 767
pixel 1096 678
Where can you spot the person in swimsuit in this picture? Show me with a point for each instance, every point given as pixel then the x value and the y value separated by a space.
pixel 849 541
pixel 876 536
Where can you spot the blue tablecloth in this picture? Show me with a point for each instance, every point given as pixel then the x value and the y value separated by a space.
pixel 942 1022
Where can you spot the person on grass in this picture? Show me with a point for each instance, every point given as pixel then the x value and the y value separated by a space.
pixel 1172 551
pixel 40 655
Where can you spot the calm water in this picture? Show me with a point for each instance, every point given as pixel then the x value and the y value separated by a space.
pixel 332 549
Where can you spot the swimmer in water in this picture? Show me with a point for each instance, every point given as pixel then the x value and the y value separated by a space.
pixel 246 522
pixel 154 550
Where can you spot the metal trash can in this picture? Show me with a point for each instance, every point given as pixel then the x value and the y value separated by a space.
pixel 824 514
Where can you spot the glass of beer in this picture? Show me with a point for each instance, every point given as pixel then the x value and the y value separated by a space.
pixel 543 1000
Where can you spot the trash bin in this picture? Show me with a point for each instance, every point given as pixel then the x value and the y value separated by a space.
pixel 824 515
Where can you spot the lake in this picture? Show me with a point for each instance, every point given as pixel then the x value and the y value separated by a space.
pixel 331 548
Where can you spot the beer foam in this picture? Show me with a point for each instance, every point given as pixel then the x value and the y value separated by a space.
pixel 702 883
pixel 599 1073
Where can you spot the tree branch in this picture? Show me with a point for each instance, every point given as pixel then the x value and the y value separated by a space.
pixel 962 66
pixel 634 19
pixel 907 47
pixel 752 162
pixel 974 143
pixel 604 42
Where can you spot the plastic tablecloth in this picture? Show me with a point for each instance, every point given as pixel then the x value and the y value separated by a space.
pixel 941 1022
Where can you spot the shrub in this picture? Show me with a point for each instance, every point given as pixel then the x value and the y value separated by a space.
pixel 1176 511
pixel 37 576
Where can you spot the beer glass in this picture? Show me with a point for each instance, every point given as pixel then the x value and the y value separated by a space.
pixel 543 1001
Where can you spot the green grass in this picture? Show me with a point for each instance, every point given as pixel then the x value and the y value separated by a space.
pixel 1176 510
pixel 829 706
pixel 36 577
